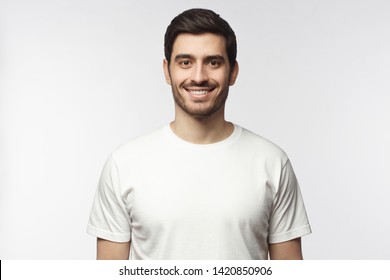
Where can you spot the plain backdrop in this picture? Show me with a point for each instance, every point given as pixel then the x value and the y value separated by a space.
pixel 78 78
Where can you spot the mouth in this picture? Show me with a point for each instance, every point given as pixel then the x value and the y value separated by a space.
pixel 198 92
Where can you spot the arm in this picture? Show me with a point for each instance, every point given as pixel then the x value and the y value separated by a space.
pixel 289 250
pixel 108 250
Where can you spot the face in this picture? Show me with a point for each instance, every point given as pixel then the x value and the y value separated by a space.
pixel 199 74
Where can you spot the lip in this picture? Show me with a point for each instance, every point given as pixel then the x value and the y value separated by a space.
pixel 199 92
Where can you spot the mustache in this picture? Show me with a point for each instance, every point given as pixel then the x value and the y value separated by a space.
pixel 204 84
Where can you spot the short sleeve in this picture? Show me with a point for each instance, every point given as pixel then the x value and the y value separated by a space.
pixel 288 219
pixel 109 218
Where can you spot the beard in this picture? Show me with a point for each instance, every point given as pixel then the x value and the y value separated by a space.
pixel 199 110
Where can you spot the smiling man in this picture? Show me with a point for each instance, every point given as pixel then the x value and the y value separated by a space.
pixel 200 187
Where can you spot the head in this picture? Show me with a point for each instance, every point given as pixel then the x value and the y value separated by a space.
pixel 200 21
pixel 200 64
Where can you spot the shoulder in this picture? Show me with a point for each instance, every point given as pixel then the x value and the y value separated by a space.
pixel 260 146
pixel 139 146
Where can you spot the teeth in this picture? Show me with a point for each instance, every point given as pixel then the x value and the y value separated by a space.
pixel 199 92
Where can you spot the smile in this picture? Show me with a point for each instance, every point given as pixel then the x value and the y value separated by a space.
pixel 199 91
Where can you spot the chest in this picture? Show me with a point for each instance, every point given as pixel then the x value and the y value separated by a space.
pixel 209 192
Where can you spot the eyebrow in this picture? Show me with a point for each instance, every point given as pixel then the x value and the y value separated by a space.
pixel 209 57
pixel 183 55
pixel 215 57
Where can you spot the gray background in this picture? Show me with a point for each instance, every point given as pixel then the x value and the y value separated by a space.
pixel 81 77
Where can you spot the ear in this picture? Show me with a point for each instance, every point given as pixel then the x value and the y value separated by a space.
pixel 166 72
pixel 233 74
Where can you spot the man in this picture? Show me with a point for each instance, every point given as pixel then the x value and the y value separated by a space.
pixel 200 187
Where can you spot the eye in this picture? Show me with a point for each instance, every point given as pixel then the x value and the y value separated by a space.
pixel 185 63
pixel 214 63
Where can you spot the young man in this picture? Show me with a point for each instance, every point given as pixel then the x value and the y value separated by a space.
pixel 200 187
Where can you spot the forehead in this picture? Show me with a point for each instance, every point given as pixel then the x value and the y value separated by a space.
pixel 199 44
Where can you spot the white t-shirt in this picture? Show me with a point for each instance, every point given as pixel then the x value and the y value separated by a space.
pixel 178 200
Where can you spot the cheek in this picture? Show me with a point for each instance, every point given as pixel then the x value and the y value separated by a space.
pixel 222 77
pixel 178 79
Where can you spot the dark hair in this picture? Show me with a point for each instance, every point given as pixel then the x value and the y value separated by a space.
pixel 199 21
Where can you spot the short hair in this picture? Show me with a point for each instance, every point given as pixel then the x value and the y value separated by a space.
pixel 200 21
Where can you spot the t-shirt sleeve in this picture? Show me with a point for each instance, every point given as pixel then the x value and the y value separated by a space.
pixel 288 219
pixel 109 218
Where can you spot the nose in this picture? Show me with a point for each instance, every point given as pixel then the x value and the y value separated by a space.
pixel 199 74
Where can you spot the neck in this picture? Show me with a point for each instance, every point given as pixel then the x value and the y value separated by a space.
pixel 202 130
